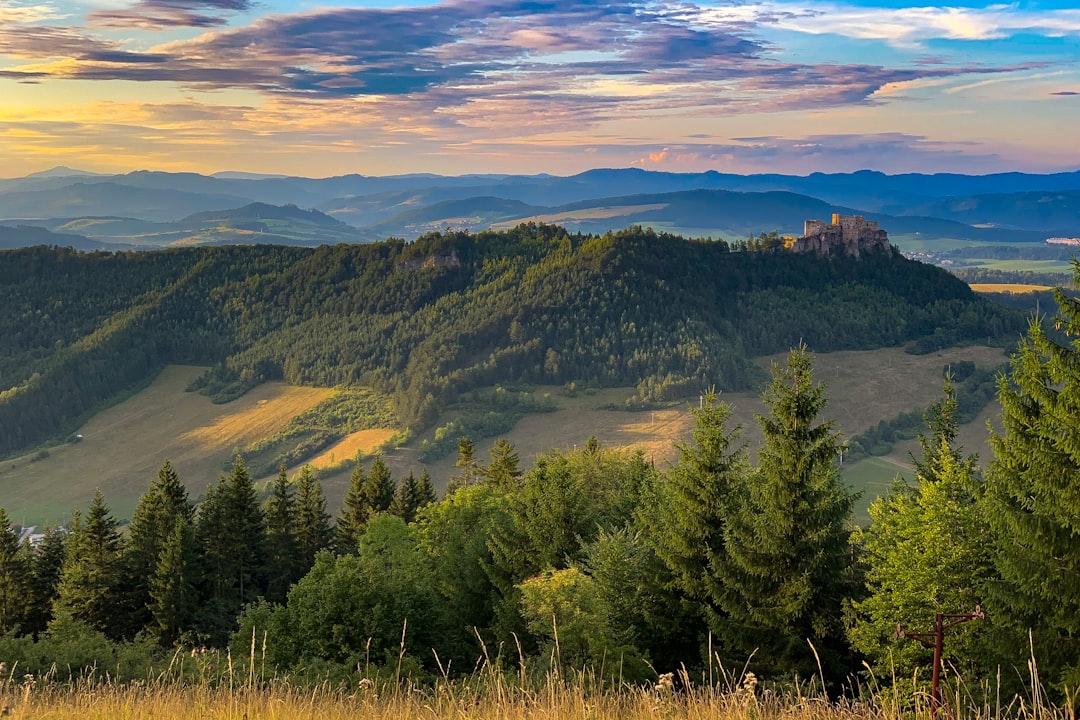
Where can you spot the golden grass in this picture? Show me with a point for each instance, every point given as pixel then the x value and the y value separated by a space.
pixel 267 417
pixel 364 442
pixel 1017 288
pixel 487 697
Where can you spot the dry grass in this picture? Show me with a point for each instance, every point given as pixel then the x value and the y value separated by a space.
pixel 1008 288
pixel 364 442
pixel 124 446
pixel 485 696
pixel 239 426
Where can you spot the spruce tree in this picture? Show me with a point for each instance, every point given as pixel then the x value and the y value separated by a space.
pixel 788 565
pixel 686 524
pixel 503 471
pixel 46 565
pixel 406 498
pixel 378 487
pixel 368 495
pixel 231 536
pixel 282 547
pixel 313 531
pixel 927 552
pixel 354 513
pixel 469 469
pixel 174 597
pixel 163 505
pixel 425 490
pixel 14 577
pixel 1033 501
pixel 91 574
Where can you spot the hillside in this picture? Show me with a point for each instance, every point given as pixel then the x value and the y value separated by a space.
pixel 429 321
pixel 123 446
pixel 1011 207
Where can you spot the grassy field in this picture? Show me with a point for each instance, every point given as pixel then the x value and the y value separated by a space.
pixel 124 446
pixel 1008 288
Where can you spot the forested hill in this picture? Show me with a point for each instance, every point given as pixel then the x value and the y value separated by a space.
pixel 426 320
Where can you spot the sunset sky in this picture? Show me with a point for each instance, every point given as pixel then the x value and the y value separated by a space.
pixel 530 86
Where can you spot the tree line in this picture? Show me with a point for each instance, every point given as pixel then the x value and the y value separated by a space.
pixel 595 559
pixel 427 321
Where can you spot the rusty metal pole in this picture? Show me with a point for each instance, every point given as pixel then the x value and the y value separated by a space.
pixel 936 640
pixel 939 645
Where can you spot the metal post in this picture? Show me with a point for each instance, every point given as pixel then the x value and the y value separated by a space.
pixel 936 640
pixel 935 684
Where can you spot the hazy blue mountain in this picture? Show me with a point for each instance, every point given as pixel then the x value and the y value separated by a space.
pixel 1054 211
pixel 109 198
pixel 25 236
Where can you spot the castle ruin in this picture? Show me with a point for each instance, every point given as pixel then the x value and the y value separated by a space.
pixel 847 234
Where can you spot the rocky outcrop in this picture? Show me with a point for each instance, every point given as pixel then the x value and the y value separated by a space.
pixel 846 234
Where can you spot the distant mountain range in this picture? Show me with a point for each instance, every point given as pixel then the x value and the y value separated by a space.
pixel 155 209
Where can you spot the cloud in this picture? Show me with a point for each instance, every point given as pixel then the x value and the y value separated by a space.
pixel 1065 92
pixel 887 152
pixel 906 26
pixel 162 14
pixel 464 71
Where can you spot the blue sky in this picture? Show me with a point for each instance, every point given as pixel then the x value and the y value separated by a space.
pixel 326 88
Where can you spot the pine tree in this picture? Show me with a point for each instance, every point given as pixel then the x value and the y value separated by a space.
pixel 14 577
pixel 313 531
pixel 1033 501
pixel 282 546
pixel 46 565
pixel 788 565
pixel 406 498
pixel 231 536
pixel 354 513
pixel 174 597
pixel 368 495
pixel 686 525
pixel 469 470
pixel 91 575
pixel 503 471
pixel 163 505
pixel 426 490
pixel 927 551
pixel 378 487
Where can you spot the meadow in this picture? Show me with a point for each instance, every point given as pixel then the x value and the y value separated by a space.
pixel 123 446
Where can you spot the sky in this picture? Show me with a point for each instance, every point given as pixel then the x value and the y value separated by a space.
pixel 329 87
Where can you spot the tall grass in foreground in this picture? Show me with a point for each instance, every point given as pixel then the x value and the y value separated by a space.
pixel 487 694
pixel 242 689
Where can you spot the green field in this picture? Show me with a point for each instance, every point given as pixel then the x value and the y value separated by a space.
pixel 124 445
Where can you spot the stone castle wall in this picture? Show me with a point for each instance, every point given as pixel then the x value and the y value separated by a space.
pixel 848 234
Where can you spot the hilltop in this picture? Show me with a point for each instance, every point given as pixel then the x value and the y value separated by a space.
pixel 426 323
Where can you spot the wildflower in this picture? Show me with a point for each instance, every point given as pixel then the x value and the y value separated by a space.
pixel 3 669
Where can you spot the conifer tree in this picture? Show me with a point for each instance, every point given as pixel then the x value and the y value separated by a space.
pixel 282 547
pixel 354 513
pixel 1033 501
pixel 469 470
pixel 91 575
pixel 788 565
pixel 46 566
pixel 231 536
pixel 174 597
pixel 927 551
pixel 159 509
pixel 313 531
pixel 368 495
pixel 426 490
pixel 14 577
pixel 406 498
pixel 686 525
pixel 503 471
